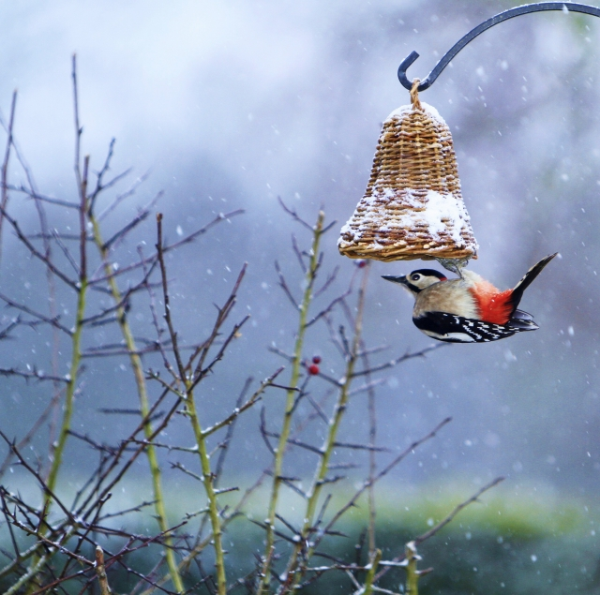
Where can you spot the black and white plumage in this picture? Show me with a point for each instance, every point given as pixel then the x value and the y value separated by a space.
pixel 468 309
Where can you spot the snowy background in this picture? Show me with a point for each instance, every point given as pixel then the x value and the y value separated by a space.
pixel 232 104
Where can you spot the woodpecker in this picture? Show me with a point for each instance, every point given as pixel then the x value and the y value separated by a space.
pixel 468 309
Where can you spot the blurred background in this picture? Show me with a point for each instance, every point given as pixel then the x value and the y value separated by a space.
pixel 232 104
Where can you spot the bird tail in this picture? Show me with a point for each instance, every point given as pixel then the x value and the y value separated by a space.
pixel 523 321
pixel 527 280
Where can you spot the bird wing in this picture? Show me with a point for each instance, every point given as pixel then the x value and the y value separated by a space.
pixel 458 329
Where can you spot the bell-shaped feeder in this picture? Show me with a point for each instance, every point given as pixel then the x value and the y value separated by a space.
pixel 412 207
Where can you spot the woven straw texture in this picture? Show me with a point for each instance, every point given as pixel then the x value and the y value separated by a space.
pixel 412 207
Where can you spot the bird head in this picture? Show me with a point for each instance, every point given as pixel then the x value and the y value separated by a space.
pixel 417 280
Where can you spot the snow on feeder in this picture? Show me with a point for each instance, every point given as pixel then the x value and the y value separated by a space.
pixel 412 207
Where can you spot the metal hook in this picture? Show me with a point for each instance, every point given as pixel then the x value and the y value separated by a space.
pixel 499 18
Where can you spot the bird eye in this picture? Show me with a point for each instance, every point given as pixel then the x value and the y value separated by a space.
pixel 415 277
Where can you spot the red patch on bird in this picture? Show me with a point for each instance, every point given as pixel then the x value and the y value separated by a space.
pixel 494 306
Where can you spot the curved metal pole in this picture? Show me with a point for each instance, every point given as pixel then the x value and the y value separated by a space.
pixel 499 18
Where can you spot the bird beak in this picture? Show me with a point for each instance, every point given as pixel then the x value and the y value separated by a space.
pixel 401 280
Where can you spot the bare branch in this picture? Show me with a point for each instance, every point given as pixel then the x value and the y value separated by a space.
pixel 121 197
pixel 35 252
pixel 140 217
pixel 457 509
pixel 101 572
pixel 399 458
pixel 240 409
pixel 418 540
pixel 399 360
pixel 330 279
pixel 51 321
pixel 283 284
pixel 299 254
pixel 4 179
pixel 295 215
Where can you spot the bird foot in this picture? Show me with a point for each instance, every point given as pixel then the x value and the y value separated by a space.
pixel 455 265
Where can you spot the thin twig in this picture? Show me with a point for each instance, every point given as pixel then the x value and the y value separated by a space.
pixel 428 534
pixel 4 179
pixel 457 509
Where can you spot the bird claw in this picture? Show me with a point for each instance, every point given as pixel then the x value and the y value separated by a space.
pixel 455 265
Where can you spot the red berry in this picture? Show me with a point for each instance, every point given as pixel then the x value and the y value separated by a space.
pixel 361 264
pixel 313 369
pixel 317 359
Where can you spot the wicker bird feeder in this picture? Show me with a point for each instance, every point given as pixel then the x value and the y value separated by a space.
pixel 412 207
